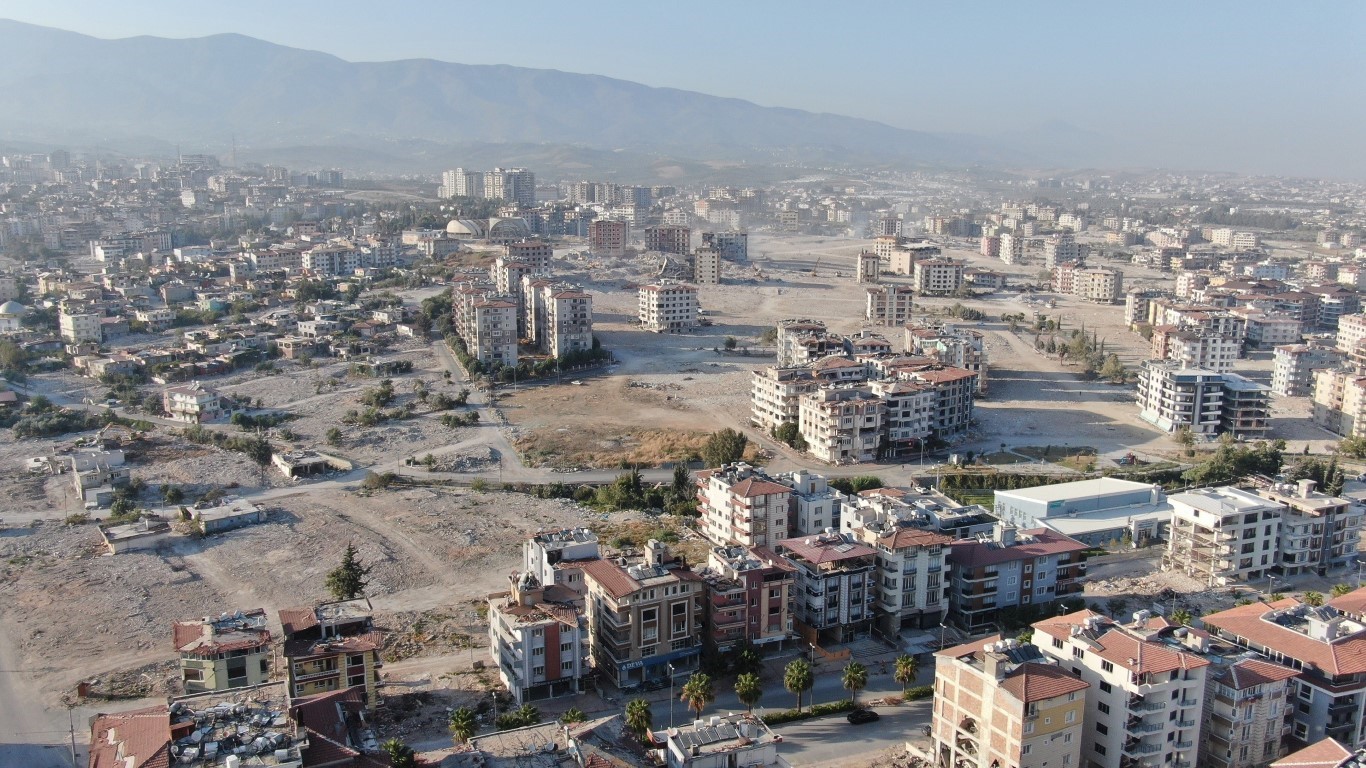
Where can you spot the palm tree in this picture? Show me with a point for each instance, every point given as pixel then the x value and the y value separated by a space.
pixel 1182 616
pixel 463 724
pixel 748 689
pixel 698 692
pixel 855 679
pixel 1313 598
pixel 573 715
pixel 400 755
pixel 797 678
pixel 639 719
pixel 1340 589
pixel 906 669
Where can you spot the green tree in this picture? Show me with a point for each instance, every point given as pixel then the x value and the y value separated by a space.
pixel 1182 616
pixel 724 447
pixel 748 690
pixel 682 485
pixel 1186 439
pixel 122 507
pixel 731 342
pixel 464 724
pixel 698 692
pixel 172 494
pixel 1113 369
pixel 798 678
pixel 400 755
pixel 573 715
pixel 906 669
pixel 334 436
pixel 854 679
pixel 745 657
pixel 790 433
pixel 639 718
pixel 1340 589
pixel 1312 598
pixel 347 581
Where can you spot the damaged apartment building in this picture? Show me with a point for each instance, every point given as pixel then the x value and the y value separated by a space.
pixel 853 399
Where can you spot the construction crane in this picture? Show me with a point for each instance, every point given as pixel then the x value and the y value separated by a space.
pixel 813 266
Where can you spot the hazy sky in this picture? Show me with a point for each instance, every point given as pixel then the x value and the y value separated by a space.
pixel 1273 86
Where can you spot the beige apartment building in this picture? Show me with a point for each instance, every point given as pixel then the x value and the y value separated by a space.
pixel 645 618
pixel 667 238
pixel 867 267
pixel 1001 703
pixel 492 338
pixel 889 305
pixel 706 266
pixel 78 327
pixel 1246 704
pixel 668 307
pixel 1011 248
pixel 775 395
pixel 842 424
pixel 741 505
pixel 569 321
pixel 1195 349
pixel 911 583
pixel 538 638
pixel 1294 365
pixel 1319 533
pixel 937 276
pixel 332 646
pixel 217 654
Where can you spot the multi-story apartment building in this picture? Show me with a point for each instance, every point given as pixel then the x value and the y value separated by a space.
pixel 1195 349
pixel 1269 329
pixel 536 254
pixel 1171 397
pixel 867 267
pixel 1293 367
pixel 749 596
pixel 775 396
pixel 903 259
pixel 1062 249
pixel 217 654
pixel 1246 408
pixel 1012 569
pixel 953 404
pixel 1003 703
pixel 834 586
pixel 990 246
pixel 1319 533
pixel 813 506
pixel 568 321
pixel 706 266
pixel 732 245
pixel 842 424
pixel 1146 687
pixel 801 342
pixel 1011 248
pixel 951 345
pixel 937 277
pixel 508 278
pixel 1099 284
pixel 516 185
pixel 1222 536
pixel 888 305
pixel 558 557
pixel 668 307
pixel 912 578
pixel 607 237
pixel 644 618
pixel 538 638
pixel 667 238
pixel 1328 650
pixel 194 403
pixel 739 504
pixel 492 333
pixel 1339 399
pixel 78 327
pixel 332 646
pixel 461 183
pixel 1247 708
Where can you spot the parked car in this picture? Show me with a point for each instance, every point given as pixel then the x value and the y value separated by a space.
pixel 861 716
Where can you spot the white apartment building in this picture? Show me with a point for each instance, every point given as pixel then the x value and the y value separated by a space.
pixel 911 583
pixel 78 327
pixel 775 395
pixel 1339 399
pixel 867 267
pixel 1146 691
pixel 557 558
pixel 739 504
pixel 1195 349
pixel 813 506
pixel 1292 372
pixel 194 403
pixel 1223 536
pixel 668 307
pixel 1011 248
pixel 1319 533
pixel 1268 329
pixel 902 260
pixel 999 703
pixel 1351 331
pixel 937 276
pixel 732 245
pixel 569 321
pixel 538 639
pixel 706 266
pixel 1099 284
pixel 888 305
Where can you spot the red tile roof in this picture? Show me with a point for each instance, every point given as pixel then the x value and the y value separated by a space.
pixel 1324 754
pixel 823 550
pixel 145 736
pixel 751 487
pixel 1250 673
pixel 297 619
pixel 612 577
pixel 1035 681
pixel 1353 603
pixel 1035 542
pixel 1120 648
pixel 1343 656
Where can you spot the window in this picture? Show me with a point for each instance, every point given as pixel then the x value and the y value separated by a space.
pixel 193 674
pixel 1072 716
pixel 1028 728
pixel 355 660
pixel 566 647
pixel 1066 739
pixel 355 680
pixel 1105 665
pixel 567 666
pixel 1024 750
pixel 537 632
pixel 1057 643
pixel 1106 687
pixel 1100 748
pixel 538 651
pixel 1103 708
pixel 1102 728
pixel 538 671
pixel 1078 653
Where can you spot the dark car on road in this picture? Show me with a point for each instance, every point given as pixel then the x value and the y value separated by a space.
pixel 861 716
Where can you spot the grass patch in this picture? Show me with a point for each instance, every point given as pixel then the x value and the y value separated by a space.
pixel 1054 452
pixel 984 498
pixel 1002 458
pixel 605 448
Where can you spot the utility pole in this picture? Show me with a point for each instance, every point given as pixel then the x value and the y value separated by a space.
pixel 71 725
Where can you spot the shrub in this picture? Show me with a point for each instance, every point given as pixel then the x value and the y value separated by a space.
pixel 920 692
pixel 819 710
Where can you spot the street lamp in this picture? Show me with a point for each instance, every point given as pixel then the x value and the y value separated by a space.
pixel 942 627
pixel 1270 585
pixel 813 674
pixel 671 694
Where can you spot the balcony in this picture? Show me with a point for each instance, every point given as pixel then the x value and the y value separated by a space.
pixel 1136 748
pixel 1189 703
pixel 1184 744
pixel 1185 724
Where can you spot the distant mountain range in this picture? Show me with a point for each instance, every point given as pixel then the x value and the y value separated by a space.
pixel 146 93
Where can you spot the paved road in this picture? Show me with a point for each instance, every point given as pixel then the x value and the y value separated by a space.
pixel 833 741
pixel 32 735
